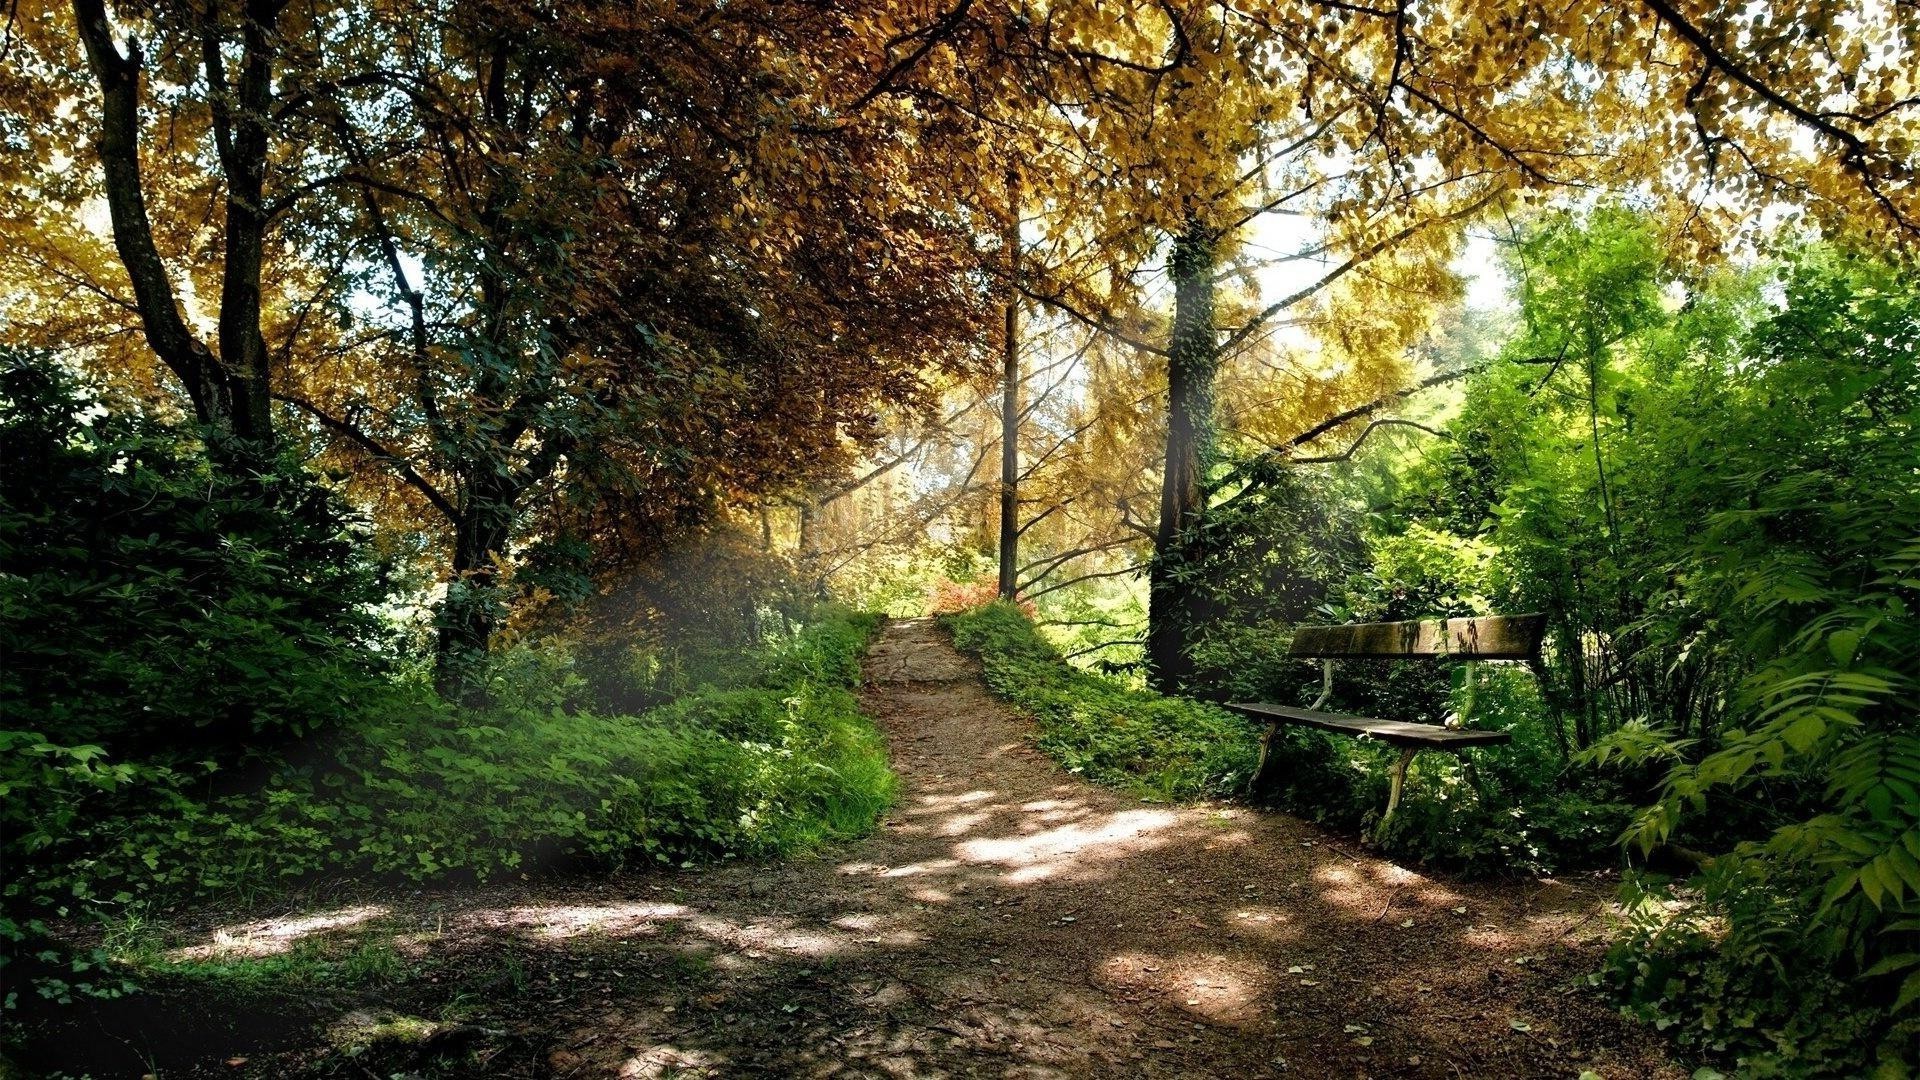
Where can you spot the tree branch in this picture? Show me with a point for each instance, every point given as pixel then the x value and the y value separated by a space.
pixel 118 77
pixel 1037 594
pixel 1096 322
pixel 1377 404
pixel 1347 454
pixel 1357 259
pixel 1103 645
pixel 373 449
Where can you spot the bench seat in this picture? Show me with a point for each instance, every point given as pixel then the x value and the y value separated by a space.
pixel 1487 637
pixel 1392 732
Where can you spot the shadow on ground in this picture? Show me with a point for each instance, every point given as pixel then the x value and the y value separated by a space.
pixel 1006 920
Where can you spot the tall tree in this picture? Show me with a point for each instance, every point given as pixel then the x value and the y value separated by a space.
pixel 228 385
pixel 1009 548
pixel 1174 126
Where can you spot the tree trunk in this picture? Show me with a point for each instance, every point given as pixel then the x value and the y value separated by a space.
pixel 472 607
pixel 242 137
pixel 230 393
pixel 1010 411
pixel 1174 601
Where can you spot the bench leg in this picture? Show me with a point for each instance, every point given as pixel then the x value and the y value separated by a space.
pixel 1399 781
pixel 1260 769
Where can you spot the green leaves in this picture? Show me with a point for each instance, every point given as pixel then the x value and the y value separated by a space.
pixel 420 791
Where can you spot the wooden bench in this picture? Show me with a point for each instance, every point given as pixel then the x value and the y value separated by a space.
pixel 1494 637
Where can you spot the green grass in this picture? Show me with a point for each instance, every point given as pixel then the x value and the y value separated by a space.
pixel 1157 747
pixel 365 957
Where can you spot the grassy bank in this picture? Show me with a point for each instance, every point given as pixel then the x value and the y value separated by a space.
pixel 1155 746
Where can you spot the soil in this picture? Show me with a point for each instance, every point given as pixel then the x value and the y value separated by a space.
pixel 1006 919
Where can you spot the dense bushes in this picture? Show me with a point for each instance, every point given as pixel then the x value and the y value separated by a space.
pixel 164 625
pixel 1803 583
pixel 150 603
pixel 202 699
pixel 1717 502
pixel 1509 811
pixel 422 790
pixel 1159 747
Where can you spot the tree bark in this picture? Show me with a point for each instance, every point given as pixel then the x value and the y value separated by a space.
pixel 471 609
pixel 242 136
pixel 1192 360
pixel 1010 410
pixel 230 393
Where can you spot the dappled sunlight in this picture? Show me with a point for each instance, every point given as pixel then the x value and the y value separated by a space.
pixel 940 804
pixel 1072 848
pixel 755 939
pixel 1001 914
pixel 931 866
pixel 1439 896
pixel 665 1061
pixel 964 823
pixel 1211 986
pixel 1347 889
pixel 1262 923
pixel 271 937
pixel 564 922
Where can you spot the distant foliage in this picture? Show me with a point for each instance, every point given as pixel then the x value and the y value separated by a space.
pixel 949 597
pixel 1159 747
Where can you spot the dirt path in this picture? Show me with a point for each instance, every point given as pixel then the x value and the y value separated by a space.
pixel 1010 920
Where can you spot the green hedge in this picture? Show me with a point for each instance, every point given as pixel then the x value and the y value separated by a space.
pixel 1157 747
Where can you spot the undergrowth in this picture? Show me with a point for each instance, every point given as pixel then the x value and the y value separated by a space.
pixel 1509 812
pixel 1154 746
pixel 424 791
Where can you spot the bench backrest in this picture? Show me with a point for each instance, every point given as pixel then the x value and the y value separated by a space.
pixel 1492 637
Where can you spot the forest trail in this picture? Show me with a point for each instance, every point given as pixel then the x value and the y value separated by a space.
pixel 1008 919
pixel 1011 920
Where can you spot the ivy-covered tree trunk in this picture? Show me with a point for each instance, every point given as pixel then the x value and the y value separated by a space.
pixel 1174 600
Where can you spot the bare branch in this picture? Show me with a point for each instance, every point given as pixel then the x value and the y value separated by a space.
pixel 1038 593
pixel 374 449
pixel 1103 645
pixel 1347 454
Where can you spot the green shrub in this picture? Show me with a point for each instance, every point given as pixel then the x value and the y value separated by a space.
pixel 1157 747
pixel 163 624
pixel 1509 808
pixel 1726 965
pixel 160 609
pixel 429 790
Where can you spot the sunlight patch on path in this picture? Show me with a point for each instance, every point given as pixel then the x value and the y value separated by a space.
pixel 1071 848
pixel 271 937
pixel 1214 987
